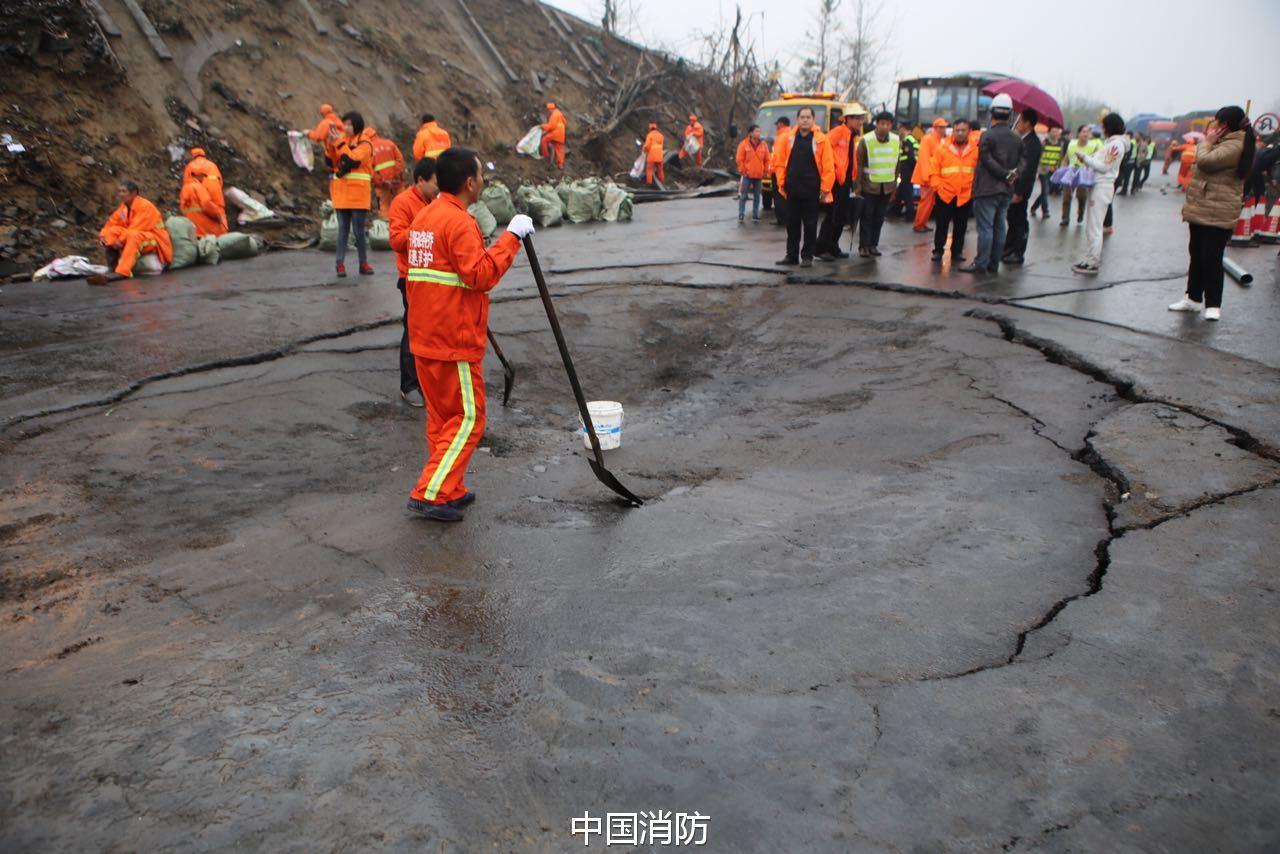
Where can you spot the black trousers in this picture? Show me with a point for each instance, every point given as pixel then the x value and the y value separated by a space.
pixel 955 216
pixel 1126 172
pixel 835 219
pixel 1141 173
pixel 408 370
pixel 779 204
pixel 874 206
pixel 904 200
pixel 1015 241
pixel 802 216
pixel 1204 274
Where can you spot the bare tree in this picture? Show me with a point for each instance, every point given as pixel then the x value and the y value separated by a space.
pixel 862 50
pixel 815 69
pixel 609 21
pixel 628 96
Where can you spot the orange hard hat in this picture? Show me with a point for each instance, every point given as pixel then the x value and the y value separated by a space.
pixel 653 125
pixel 197 152
pixel 939 122
pixel 692 117
pixel 325 109
pixel 551 105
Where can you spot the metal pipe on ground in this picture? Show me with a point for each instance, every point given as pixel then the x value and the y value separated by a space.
pixel 1235 271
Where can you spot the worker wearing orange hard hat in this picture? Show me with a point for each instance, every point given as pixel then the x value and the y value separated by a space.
pixel 200 163
pixel 329 121
pixel 198 205
pixel 653 154
pixel 449 279
pixel 923 174
pixel 135 228
pixel 388 171
pixel 553 133
pixel 694 130
pixel 431 139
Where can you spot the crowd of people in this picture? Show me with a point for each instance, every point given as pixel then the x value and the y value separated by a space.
pixel 847 177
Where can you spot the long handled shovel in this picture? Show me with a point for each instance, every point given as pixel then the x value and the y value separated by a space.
pixel 508 372
pixel 597 465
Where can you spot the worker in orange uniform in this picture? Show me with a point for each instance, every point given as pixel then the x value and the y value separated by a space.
pixel 135 228
pixel 388 171
pixel 431 140
pixel 653 155
pixel 1187 162
pixel 782 127
pixel 449 279
pixel 212 179
pixel 753 163
pixel 199 206
pixel 955 162
pixel 693 129
pixel 846 204
pixel 404 207
pixel 351 189
pixel 806 173
pixel 323 133
pixel 553 134
pixel 923 172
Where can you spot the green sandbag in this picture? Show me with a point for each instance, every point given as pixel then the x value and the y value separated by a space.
pixel 545 214
pixel 585 204
pixel 550 193
pixel 380 234
pixel 182 233
pixel 484 219
pixel 235 245
pixel 562 190
pixel 626 210
pixel 329 229
pixel 614 196
pixel 497 198
pixel 207 247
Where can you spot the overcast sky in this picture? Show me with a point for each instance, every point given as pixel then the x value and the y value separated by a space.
pixel 1169 56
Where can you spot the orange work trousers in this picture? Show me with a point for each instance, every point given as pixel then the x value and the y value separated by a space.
pixel 135 243
pixel 454 392
pixel 697 158
pixel 1184 174
pixel 925 207
pixel 651 167
pixel 546 147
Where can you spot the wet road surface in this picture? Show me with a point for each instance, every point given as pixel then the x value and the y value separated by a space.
pixel 915 572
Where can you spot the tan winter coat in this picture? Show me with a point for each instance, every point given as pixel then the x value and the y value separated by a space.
pixel 1215 193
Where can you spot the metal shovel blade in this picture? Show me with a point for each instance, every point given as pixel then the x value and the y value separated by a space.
pixel 508 372
pixel 597 465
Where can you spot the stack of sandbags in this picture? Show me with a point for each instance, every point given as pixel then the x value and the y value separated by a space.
pixel 592 200
pixel 235 245
pixel 497 198
pixel 182 234
pixel 484 218
pixel 545 212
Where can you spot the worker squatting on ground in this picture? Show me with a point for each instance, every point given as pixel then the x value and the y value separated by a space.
pixel 924 172
pixel 200 163
pixel 351 188
pixel 653 155
pixel 431 139
pixel 877 182
pixel 449 278
pixel 753 162
pixel 695 130
pixel 400 215
pixel 553 132
pixel 388 171
pixel 323 133
pixel 135 228
pixel 951 179
pixel 845 203
pixel 201 199
pixel 806 173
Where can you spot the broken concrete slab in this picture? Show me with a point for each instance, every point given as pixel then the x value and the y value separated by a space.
pixel 1172 462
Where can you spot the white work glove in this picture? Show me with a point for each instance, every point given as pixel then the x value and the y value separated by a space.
pixel 521 226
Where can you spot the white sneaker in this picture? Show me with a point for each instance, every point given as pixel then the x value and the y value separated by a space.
pixel 1185 304
pixel 1212 313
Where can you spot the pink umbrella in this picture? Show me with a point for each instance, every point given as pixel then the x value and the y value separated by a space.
pixel 1193 136
pixel 1028 96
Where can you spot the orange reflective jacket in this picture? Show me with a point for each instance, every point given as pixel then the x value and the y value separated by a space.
pixel 199 206
pixel 388 162
pixel 953 170
pixel 450 276
pixel 821 156
pixel 924 160
pixel 842 141
pixel 653 147
pixel 753 160
pixel 404 207
pixel 430 141
pixel 321 134
pixel 353 190
pixel 694 129
pixel 554 128
pixel 199 164
pixel 783 133
pixel 140 217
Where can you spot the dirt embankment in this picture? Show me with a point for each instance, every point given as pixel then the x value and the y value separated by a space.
pixel 92 98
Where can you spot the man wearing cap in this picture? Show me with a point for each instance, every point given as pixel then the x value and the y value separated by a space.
pixel 923 174
pixel 999 150
pixel 553 134
pixel 877 182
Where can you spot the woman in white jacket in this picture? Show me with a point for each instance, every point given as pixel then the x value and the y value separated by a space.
pixel 1105 164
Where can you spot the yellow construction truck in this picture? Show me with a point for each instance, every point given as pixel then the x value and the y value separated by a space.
pixel 827 113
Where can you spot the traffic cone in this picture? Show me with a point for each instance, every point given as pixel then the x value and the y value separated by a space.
pixel 1270 231
pixel 1243 234
pixel 1259 221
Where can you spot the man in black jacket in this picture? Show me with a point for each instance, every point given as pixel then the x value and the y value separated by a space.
pixel 1023 186
pixel 999 151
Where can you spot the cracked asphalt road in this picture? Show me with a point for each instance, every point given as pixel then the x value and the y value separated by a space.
pixel 916 573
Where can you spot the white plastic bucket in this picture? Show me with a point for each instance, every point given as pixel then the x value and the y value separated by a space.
pixel 606 418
